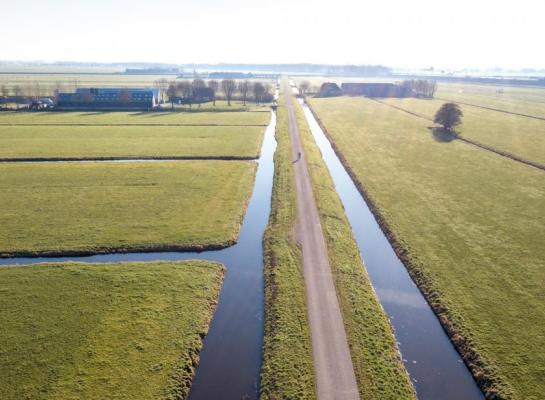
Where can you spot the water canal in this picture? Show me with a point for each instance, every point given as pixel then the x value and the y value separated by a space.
pixel 435 367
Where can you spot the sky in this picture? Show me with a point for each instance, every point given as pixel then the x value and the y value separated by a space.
pixel 413 34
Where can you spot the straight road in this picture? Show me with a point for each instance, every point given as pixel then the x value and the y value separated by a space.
pixel 334 371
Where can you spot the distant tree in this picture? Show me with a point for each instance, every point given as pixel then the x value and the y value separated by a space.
pixel 163 85
pixel 258 90
pixel 214 85
pixel 197 86
pixel 4 90
pixel 432 88
pixel 229 88
pixel 449 115
pixel 185 88
pixel 304 87
pixel 17 91
pixel 172 93
pixel 244 88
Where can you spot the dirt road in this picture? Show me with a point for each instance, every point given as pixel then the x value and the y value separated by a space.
pixel 332 362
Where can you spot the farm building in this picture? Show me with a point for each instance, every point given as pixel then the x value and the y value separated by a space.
pixel 110 99
pixel 375 90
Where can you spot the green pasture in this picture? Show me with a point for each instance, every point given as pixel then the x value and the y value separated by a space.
pixel 471 223
pixel 97 331
pixel 107 206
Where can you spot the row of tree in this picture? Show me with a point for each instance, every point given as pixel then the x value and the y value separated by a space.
pixel 421 87
pixel 198 91
pixel 36 90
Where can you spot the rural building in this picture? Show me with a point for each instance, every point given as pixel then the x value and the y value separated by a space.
pixel 375 89
pixel 110 99
pixel 329 89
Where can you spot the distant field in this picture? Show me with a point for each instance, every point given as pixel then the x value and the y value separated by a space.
pixel 522 136
pixel 97 331
pixel 104 206
pixel 136 118
pixel 523 100
pixel 129 141
pixel 472 224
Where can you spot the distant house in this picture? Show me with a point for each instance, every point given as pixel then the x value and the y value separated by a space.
pixel 329 89
pixel 375 89
pixel 109 99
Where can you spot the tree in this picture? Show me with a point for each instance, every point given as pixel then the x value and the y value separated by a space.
pixel 259 90
pixel 163 85
pixel 186 89
pixel 214 86
pixel 197 87
pixel 229 87
pixel 171 93
pixel 17 91
pixel 303 87
pixel 244 88
pixel 4 90
pixel 449 115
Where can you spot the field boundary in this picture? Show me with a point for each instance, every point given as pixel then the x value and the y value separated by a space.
pixel 128 159
pixel 113 124
pixel 493 109
pixel 472 142
pixel 492 386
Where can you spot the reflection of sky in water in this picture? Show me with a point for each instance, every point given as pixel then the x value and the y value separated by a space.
pixel 410 300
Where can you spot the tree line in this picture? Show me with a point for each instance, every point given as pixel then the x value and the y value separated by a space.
pixel 421 87
pixel 198 91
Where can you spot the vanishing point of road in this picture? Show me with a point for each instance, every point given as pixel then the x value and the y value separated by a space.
pixel 335 378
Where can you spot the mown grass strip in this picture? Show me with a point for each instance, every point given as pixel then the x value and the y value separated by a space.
pixel 377 363
pixel 104 331
pixel 287 371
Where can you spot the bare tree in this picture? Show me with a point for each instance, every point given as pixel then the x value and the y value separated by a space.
pixel 244 88
pixel 197 85
pixel 229 87
pixel 259 90
pixel 185 88
pixel 214 86
pixel 304 87
pixel 17 91
pixel 4 90
pixel 162 84
pixel 171 93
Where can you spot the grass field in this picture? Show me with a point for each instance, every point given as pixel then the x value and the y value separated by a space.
pixel 97 331
pixel 204 117
pixel 287 371
pixel 379 370
pixel 105 206
pixel 471 225
pixel 522 100
pixel 515 134
pixel 129 141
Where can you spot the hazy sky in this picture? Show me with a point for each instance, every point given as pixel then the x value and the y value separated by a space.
pixel 412 33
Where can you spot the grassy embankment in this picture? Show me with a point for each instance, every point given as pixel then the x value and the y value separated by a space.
pixel 106 206
pixel 469 226
pixel 379 370
pixel 287 371
pixel 521 136
pixel 96 331
pixel 80 142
